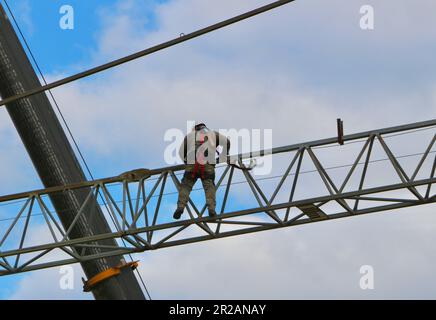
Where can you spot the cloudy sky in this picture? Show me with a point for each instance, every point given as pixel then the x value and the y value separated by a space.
pixel 294 70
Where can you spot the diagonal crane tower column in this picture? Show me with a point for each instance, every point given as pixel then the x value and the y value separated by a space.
pixel 55 162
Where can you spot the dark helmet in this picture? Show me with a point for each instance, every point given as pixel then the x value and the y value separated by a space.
pixel 199 126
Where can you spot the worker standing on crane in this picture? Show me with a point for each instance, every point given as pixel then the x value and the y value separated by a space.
pixel 198 151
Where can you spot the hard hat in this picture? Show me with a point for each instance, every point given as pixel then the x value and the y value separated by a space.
pixel 199 125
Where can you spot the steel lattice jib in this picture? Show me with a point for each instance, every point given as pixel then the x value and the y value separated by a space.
pixel 310 182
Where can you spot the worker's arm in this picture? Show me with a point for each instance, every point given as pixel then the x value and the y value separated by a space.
pixel 183 150
pixel 224 142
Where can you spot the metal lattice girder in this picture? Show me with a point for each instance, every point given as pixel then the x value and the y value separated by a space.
pixel 141 203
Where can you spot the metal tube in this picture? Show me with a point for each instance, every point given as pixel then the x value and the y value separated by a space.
pixel 35 90
pixel 54 159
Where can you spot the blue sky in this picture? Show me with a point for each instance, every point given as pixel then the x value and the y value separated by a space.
pixel 54 48
pixel 295 70
pixel 57 50
pixel 66 51
pixel 60 51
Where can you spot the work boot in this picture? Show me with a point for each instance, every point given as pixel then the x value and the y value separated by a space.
pixel 178 213
pixel 212 212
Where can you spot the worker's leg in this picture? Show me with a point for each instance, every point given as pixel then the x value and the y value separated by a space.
pixel 209 188
pixel 185 189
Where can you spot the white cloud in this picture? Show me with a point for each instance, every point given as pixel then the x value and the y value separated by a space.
pixel 320 261
pixel 295 70
pixel 47 285
pixel 230 79
pixel 15 165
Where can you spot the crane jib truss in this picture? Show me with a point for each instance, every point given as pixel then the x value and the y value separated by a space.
pixel 142 222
